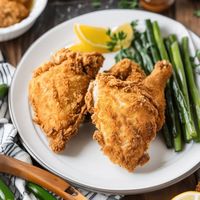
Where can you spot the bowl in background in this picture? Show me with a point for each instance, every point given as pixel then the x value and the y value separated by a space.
pixel 18 29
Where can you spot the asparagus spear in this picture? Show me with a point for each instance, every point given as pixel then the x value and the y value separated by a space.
pixel 145 44
pixel 183 84
pixel 167 136
pixel 151 41
pixel 138 58
pixel 130 53
pixel 168 48
pixel 179 70
pixel 172 38
pixel 147 63
pixel 190 78
pixel 125 53
pixel 159 41
pixel 177 133
pixel 184 111
pixel 170 111
pixel 178 144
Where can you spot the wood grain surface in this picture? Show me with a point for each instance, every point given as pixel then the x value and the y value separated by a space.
pixel 58 11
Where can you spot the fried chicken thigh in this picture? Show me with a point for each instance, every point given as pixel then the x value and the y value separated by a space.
pixel 128 109
pixel 57 91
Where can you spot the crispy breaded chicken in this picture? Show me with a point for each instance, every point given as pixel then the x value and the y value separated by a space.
pixel 128 109
pixel 57 91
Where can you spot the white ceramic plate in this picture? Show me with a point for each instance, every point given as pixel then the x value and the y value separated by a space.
pixel 82 162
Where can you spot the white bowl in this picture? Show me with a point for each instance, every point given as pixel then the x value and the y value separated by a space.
pixel 18 29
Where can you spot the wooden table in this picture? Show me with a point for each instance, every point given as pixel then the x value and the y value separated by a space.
pixel 58 11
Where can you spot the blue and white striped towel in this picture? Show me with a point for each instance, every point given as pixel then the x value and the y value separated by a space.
pixel 9 145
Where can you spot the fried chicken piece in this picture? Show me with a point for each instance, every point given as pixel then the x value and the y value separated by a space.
pixel 57 91
pixel 128 109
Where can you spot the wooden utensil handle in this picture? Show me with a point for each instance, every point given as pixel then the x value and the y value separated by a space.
pixel 39 176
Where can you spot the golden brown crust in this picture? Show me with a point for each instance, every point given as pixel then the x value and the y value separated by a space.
pixel 162 71
pixel 57 91
pixel 89 101
pixel 127 111
pixel 128 70
pixel 12 12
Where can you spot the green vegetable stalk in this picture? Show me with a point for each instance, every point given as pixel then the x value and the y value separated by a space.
pixel 184 111
pixel 5 192
pixel 179 70
pixel 180 74
pixel 172 38
pixel 178 144
pixel 3 90
pixel 167 136
pixel 146 59
pixel 39 192
pixel 151 40
pixel 159 41
pixel 190 78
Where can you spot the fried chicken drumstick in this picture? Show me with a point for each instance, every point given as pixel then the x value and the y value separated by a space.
pixel 128 109
pixel 57 91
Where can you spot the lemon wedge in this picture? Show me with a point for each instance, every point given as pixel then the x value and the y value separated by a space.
pixel 191 195
pixel 92 36
pixel 128 30
pixel 97 37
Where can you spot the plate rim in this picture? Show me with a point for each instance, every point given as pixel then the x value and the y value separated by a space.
pixel 132 191
pixel 119 192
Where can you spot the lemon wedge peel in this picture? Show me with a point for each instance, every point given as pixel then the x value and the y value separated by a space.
pixel 190 195
pixel 86 41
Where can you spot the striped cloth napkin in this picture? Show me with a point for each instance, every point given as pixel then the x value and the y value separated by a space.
pixel 10 146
